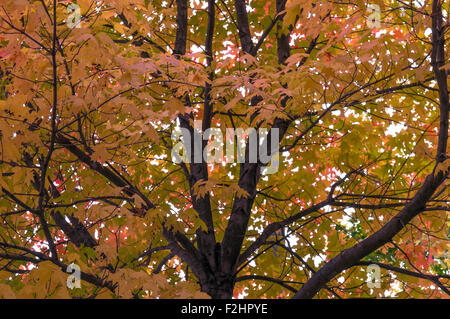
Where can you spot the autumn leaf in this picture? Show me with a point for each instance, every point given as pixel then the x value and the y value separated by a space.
pixel 354 100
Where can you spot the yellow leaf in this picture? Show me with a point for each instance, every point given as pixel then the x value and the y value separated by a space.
pixel 61 293
pixel 445 67
pixel 6 292
pixel 104 294
pixel 233 102
pixel 443 166
pixel 175 105
pixel 151 133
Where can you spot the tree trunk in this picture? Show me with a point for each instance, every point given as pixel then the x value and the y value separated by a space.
pixel 219 286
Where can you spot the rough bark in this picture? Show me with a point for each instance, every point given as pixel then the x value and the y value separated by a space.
pixel 249 172
pixel 243 26
pixel 75 230
pixel 182 24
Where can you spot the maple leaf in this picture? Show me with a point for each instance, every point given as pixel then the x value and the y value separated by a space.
pixel 89 115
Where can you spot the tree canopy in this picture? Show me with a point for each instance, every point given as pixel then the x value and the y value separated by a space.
pixel 92 91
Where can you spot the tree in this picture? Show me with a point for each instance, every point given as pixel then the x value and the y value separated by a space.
pixel 92 91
